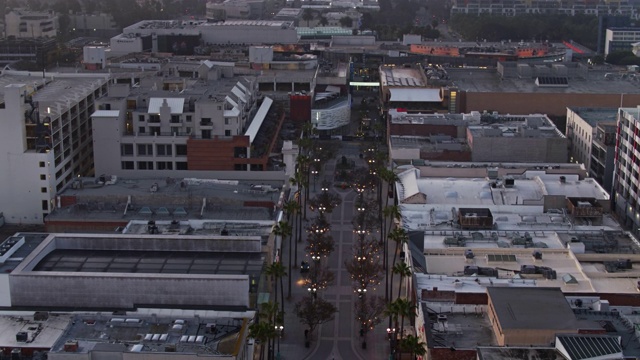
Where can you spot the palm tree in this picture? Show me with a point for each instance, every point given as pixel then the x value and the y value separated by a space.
pixel 262 332
pixel 403 270
pixel 413 345
pixel 405 309
pixel 399 235
pixel 290 207
pixel 277 271
pixel 284 230
pixel 269 311
pixel 323 21
pixel 303 178
pixel 307 16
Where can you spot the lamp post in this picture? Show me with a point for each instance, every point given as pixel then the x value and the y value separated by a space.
pixel 315 176
pixel 279 329
pixel 391 334
pixel 313 291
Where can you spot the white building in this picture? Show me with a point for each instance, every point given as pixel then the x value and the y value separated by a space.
pixel 581 131
pixel 45 139
pixel 198 124
pixel 627 168
pixel 620 39
pixel 30 24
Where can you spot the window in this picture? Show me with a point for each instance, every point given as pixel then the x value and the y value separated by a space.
pixel 219 107
pixel 145 165
pixel 127 165
pixel 226 121
pixel 162 165
pixel 141 118
pixel 188 118
pixel 41 164
pixel 141 130
pixel 227 133
pixel 145 150
pixel 43 177
pixel 43 190
pixel 154 130
pixel 181 150
pixel 45 205
pixel 206 134
pixel 181 165
pixel 163 150
pixel 127 150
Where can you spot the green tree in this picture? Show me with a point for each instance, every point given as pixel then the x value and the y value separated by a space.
pixel 403 270
pixel 323 21
pixel 314 311
pixel 277 272
pixel 284 230
pixel 414 346
pixel 346 22
pixel 262 332
pixel 307 16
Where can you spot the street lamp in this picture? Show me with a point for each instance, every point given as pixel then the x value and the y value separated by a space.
pixel 361 292
pixel 315 257
pixel 279 329
pixel 315 176
pixel 391 334
pixel 313 291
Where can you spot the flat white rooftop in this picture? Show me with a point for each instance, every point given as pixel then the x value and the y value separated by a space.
pixel 43 334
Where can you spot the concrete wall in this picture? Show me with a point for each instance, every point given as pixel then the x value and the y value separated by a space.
pixel 552 104
pixel 517 149
pixel 126 291
pixel 248 35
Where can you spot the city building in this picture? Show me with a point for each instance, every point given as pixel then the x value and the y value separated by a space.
pixel 181 37
pixel 221 10
pixel 289 14
pixel 620 39
pixel 522 7
pixel 21 23
pixel 154 333
pixel 603 151
pixel 627 167
pixel 94 25
pixel 528 138
pixel 406 87
pixel 166 265
pixel 37 52
pixel 46 137
pixel 170 125
pixel 107 203
pixel 188 334
pixel 586 131
pixel 517 88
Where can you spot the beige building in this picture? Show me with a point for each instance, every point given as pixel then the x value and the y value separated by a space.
pixel 531 316
pixel 30 24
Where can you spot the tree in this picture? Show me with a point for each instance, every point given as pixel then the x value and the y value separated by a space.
pixel 404 309
pixel 346 22
pixel 262 332
pixel 413 345
pixel 313 312
pixel 320 244
pixel 290 208
pixel 323 21
pixel 404 271
pixel 364 267
pixel 307 16
pixel 284 230
pixel 368 313
pixel 277 272
pixel 325 202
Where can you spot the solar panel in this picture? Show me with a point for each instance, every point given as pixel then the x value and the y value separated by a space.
pixel 590 346
pixel 501 258
pixel 552 80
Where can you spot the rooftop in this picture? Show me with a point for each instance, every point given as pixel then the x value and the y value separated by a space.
pixel 429 119
pixel 42 334
pixel 527 126
pixel 402 76
pixel 167 199
pixel 195 335
pixel 533 308
pixel 509 353
pixel 593 116
pixel 593 82
pixel 461 331
pixel 55 92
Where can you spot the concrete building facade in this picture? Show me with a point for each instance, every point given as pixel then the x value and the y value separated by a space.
pixel 46 136
pixel 581 130
pixel 31 24
pixel 531 138
pixel 627 169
